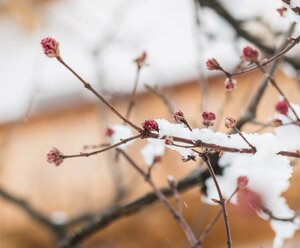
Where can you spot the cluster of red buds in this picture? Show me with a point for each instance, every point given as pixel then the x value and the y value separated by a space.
pixel 229 84
pixel 230 122
pixel 50 47
pixel 212 64
pixel 109 132
pixel 150 125
pixel 282 107
pixel 250 54
pixel 208 118
pixel 55 156
pixel 141 60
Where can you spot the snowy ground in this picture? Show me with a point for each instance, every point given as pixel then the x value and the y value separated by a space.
pixel 101 38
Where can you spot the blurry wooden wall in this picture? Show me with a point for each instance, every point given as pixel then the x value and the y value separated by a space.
pixel 86 184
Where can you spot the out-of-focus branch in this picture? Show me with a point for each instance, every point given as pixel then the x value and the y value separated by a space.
pixel 237 26
pixel 59 230
pixel 250 112
pixel 162 97
pixel 100 221
pixel 221 200
pixel 163 199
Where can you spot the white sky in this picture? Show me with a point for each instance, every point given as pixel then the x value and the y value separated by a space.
pixel 119 30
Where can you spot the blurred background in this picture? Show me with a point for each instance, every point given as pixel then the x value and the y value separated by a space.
pixel 43 105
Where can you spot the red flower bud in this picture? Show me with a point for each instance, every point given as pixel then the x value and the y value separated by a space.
pixel 208 118
pixel 150 125
pixel 282 107
pixel 230 84
pixel 212 64
pixel 230 122
pixel 140 61
pixel 250 54
pixel 51 47
pixel 55 156
pixel 109 132
pixel 178 116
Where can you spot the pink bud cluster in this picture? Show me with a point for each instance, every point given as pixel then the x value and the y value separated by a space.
pixel 212 64
pixel 178 117
pixel 250 54
pixel 150 125
pixel 109 132
pixel 229 84
pixel 208 118
pixel 55 156
pixel 282 107
pixel 50 47
pixel 230 122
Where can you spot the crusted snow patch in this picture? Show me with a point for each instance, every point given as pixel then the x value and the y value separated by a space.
pixel 151 151
pixel 120 132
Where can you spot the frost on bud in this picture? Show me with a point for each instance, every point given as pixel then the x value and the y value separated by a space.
pixel 242 182
pixel 282 107
pixel 150 125
pixel 212 64
pixel 109 132
pixel 230 122
pixel 169 140
pixel 141 60
pixel 230 84
pixel 178 116
pixel 250 54
pixel 208 118
pixel 50 47
pixel 55 156
pixel 281 11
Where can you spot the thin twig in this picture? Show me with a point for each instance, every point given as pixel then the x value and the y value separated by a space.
pixel 275 85
pixel 191 144
pixel 215 220
pixel 221 199
pixel 102 220
pixel 217 6
pixel 250 112
pixel 59 230
pixel 87 154
pixel 244 138
pixel 162 97
pixel 133 93
pixel 176 214
pixel 101 98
